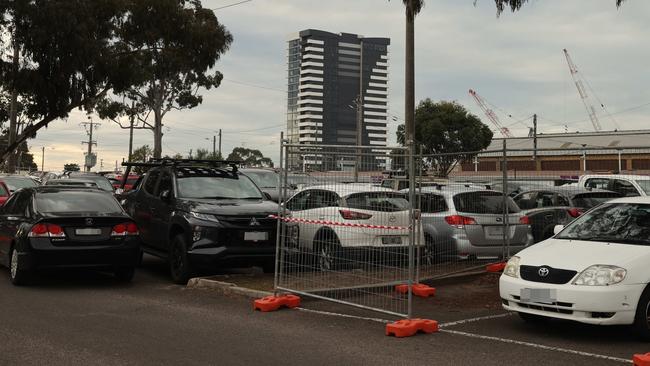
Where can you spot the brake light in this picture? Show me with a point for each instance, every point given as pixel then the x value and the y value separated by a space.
pixel 524 220
pixel 46 231
pixel 125 229
pixel 575 212
pixel 353 215
pixel 459 221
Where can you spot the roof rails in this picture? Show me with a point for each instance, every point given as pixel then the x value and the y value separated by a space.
pixel 157 162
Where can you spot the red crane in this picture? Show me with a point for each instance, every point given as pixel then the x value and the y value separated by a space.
pixel 490 114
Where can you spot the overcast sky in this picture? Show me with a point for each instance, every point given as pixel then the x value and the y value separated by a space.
pixel 515 62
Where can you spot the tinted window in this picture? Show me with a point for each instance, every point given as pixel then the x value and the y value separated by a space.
pixel 150 183
pixel 19 206
pixel 562 201
pixel 378 201
pixel 3 191
pixel 600 183
pixel 16 183
pixel 590 200
pixel 165 183
pixel 483 203
pixel 228 186
pixel 526 201
pixel 645 186
pixel 432 203
pixel 103 183
pixel 625 188
pixel 545 199
pixel 77 202
pixel 319 199
pixel 298 202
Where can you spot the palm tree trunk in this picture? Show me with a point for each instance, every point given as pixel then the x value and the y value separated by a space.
pixel 409 102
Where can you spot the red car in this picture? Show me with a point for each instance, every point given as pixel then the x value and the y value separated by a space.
pixel 130 181
pixel 4 193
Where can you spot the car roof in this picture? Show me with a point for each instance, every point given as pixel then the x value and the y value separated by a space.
pixel 56 189
pixel 637 199
pixel 450 190
pixel 568 190
pixel 614 176
pixel 346 189
pixel 72 180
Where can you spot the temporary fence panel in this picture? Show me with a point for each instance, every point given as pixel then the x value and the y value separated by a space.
pixel 348 235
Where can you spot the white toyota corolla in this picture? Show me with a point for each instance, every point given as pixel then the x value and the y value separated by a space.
pixel 596 270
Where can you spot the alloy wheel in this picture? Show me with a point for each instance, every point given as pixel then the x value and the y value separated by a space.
pixel 325 257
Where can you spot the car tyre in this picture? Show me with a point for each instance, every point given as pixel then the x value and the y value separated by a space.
pixel 179 264
pixel 642 317
pixel 532 318
pixel 328 252
pixel 140 258
pixel 124 274
pixel 17 275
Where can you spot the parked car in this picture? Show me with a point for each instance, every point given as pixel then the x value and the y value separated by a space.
pixel 102 182
pixel 515 187
pixel 199 217
pixel 53 227
pixel 593 271
pixel 466 222
pixel 4 193
pixel 626 185
pixel 71 183
pixel 299 181
pixel 268 181
pixel 16 182
pixel 552 206
pixel 130 182
pixel 333 244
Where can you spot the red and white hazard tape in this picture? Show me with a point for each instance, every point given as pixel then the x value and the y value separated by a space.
pixel 337 223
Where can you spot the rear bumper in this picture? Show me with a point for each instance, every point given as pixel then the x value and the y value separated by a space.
pixel 42 255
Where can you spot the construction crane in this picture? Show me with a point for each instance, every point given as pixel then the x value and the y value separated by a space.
pixel 577 79
pixel 490 114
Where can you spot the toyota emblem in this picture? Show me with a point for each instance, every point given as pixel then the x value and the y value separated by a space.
pixel 89 221
pixel 543 272
pixel 392 219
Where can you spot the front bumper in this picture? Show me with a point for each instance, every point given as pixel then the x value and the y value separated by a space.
pixel 42 254
pixel 605 305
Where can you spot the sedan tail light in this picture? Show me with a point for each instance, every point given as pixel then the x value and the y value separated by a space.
pixel 459 221
pixel 354 215
pixel 125 229
pixel 575 212
pixel 524 220
pixel 44 230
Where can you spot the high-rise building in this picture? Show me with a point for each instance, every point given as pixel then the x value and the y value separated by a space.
pixel 332 80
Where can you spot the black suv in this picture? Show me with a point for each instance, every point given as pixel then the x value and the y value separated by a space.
pixel 201 214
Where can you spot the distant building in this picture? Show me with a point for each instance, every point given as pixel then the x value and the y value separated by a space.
pixel 573 153
pixel 328 74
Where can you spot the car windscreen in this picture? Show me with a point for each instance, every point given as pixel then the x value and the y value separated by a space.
pixel 264 179
pixel 593 199
pixel 16 183
pixel 378 201
pixel 228 186
pixel 483 202
pixel 67 202
pixel 645 186
pixel 625 223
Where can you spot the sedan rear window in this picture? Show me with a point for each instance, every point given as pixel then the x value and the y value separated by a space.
pixel 76 202
pixel 378 201
pixel 16 183
pixel 591 200
pixel 483 202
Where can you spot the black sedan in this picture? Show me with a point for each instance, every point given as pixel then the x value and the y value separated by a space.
pixel 54 227
pixel 550 206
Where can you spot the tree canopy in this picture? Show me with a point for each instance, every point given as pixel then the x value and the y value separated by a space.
pixel 141 155
pixel 71 167
pixel 250 157
pixel 447 127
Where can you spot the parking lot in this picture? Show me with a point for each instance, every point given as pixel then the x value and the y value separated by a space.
pixel 154 322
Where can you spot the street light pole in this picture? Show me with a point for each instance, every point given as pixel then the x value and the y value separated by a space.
pixel 43 159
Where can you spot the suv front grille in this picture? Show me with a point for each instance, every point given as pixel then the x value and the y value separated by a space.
pixel 555 276
pixel 262 220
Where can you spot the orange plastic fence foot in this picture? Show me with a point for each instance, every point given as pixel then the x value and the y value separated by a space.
pixel 495 267
pixel 273 303
pixel 641 360
pixel 418 289
pixel 410 327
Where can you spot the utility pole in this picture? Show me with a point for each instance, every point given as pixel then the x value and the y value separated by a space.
pixel 190 153
pixel 43 159
pixel 220 144
pixel 132 121
pixel 535 137
pixel 89 163
pixel 214 147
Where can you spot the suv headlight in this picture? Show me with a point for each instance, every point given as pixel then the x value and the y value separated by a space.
pixel 512 267
pixel 203 216
pixel 600 275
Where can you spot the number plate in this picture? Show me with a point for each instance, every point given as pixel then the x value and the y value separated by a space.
pixel 494 230
pixel 543 295
pixel 256 236
pixel 88 231
pixel 391 240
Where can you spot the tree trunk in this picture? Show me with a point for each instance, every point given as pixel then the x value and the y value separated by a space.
pixel 13 112
pixel 157 134
pixel 409 102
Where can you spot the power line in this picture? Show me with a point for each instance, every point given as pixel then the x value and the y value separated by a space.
pixel 255 86
pixel 235 4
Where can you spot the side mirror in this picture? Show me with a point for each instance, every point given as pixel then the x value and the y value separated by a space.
pixel 267 196
pixel 166 195
pixel 557 229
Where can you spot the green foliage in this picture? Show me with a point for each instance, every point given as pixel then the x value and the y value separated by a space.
pixel 250 157
pixel 141 155
pixel 515 5
pixel 71 167
pixel 447 127
pixel 204 154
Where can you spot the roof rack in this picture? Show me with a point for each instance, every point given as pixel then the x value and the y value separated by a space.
pixel 156 162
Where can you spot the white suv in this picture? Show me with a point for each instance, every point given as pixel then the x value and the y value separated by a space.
pixel 336 223
pixel 627 185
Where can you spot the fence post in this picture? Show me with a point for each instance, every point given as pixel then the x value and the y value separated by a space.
pixel 411 248
pixel 280 225
pixel 418 251
pixel 506 216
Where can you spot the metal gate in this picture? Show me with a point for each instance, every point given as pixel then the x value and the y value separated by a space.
pixel 343 237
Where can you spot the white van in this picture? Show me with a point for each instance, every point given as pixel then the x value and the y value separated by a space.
pixel 627 185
